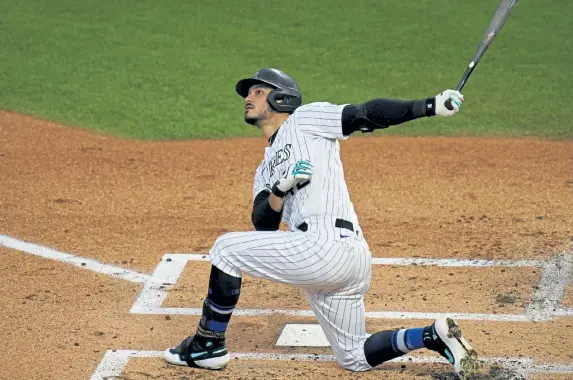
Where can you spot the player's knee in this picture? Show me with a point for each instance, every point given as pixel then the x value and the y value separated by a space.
pixel 222 244
pixel 224 247
pixel 221 256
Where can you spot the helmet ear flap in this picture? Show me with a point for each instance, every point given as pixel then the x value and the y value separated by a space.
pixel 281 101
pixel 275 100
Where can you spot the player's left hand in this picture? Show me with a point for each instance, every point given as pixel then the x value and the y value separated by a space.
pixel 455 97
pixel 296 173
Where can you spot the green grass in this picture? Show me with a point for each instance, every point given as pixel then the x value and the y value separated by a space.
pixel 167 70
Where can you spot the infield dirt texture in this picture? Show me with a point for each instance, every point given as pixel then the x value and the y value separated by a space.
pixel 128 203
pixel 108 209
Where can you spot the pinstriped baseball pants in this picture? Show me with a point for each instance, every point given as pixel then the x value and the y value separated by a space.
pixel 333 272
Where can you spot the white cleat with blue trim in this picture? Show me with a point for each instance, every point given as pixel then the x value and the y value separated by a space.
pixel 445 337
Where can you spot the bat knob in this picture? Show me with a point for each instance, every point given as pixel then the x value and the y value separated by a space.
pixel 448 104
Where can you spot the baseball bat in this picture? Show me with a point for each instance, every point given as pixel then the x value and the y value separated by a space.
pixel 495 25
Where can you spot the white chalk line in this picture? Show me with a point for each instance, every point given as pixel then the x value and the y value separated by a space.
pixel 139 309
pixel 403 261
pixel 172 265
pixel 547 298
pixel 548 295
pixel 564 312
pixel 552 285
pixel 137 277
pixel 114 362
pixel 80 262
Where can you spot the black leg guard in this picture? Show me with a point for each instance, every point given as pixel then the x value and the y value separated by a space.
pixel 380 347
pixel 223 295
pixel 224 290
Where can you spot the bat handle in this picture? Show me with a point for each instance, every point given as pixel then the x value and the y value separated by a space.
pixel 461 83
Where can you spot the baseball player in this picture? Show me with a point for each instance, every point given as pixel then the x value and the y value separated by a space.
pixel 301 182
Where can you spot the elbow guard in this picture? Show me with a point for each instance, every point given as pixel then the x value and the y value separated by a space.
pixel 355 118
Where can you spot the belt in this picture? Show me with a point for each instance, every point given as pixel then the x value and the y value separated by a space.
pixel 340 223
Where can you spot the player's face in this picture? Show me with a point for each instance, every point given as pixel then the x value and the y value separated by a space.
pixel 256 106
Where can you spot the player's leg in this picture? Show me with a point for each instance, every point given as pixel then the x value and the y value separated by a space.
pixel 342 319
pixel 443 336
pixel 340 312
pixel 341 316
pixel 304 260
pixel 206 348
pixel 295 258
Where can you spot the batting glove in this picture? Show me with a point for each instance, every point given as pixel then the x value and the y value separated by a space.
pixel 296 173
pixel 456 99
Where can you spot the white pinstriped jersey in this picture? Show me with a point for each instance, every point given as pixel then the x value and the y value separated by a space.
pixel 310 133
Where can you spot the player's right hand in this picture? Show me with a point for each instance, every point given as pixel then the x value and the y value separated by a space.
pixel 455 97
pixel 296 173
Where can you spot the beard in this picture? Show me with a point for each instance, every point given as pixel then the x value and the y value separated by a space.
pixel 258 117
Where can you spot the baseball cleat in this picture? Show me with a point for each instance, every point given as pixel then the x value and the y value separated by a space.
pixel 203 353
pixel 445 337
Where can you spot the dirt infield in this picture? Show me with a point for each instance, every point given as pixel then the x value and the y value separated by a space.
pixel 128 203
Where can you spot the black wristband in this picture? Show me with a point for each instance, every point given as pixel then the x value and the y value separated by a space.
pixel 276 191
pixel 430 105
pixel 424 107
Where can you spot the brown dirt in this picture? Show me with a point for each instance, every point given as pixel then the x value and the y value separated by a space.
pixel 568 297
pixel 405 289
pixel 140 369
pixel 128 203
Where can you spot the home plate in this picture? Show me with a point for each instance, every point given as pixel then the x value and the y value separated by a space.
pixel 302 335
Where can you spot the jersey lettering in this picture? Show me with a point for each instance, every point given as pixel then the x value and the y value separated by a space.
pixel 311 133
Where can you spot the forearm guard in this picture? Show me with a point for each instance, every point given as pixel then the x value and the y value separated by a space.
pixel 264 218
pixel 382 113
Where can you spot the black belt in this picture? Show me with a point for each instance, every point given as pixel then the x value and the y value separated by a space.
pixel 340 223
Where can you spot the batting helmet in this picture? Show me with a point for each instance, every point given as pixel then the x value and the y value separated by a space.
pixel 285 95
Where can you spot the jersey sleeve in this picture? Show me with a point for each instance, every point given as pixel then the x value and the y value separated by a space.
pixel 320 119
pixel 260 182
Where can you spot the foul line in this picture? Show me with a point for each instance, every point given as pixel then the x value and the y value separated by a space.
pixel 115 361
pixel 80 262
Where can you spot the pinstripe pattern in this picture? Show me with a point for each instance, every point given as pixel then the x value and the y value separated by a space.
pixel 334 274
pixel 331 265
pixel 311 133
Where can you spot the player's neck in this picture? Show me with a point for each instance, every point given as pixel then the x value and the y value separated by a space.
pixel 271 124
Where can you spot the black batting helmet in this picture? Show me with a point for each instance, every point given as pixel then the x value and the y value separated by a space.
pixel 285 96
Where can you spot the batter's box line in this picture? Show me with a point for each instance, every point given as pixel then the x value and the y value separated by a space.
pixel 544 306
pixel 114 362
pixel 564 312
